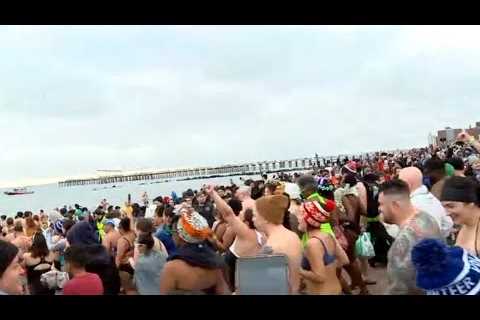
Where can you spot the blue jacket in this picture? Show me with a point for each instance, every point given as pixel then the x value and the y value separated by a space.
pixel 165 236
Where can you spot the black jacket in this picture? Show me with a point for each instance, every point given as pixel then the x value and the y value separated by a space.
pixel 102 264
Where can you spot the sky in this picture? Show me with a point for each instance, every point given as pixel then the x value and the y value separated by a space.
pixel 76 99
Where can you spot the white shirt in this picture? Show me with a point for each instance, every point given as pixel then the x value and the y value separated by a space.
pixel 425 201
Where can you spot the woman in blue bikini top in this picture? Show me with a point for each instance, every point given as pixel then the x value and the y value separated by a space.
pixel 322 253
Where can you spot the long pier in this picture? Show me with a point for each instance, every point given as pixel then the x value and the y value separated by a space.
pixel 208 172
pixel 199 172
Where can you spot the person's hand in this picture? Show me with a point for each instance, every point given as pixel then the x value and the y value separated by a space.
pixel 210 189
pixel 302 273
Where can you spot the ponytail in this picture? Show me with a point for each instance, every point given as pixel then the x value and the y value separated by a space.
pixel 147 240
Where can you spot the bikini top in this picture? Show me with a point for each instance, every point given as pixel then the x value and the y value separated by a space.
pixel 260 242
pixel 327 257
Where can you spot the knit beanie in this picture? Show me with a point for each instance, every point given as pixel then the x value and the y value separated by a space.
pixel 443 270
pixel 193 228
pixel 327 204
pixel 314 214
pixel 272 208
pixel 459 189
pixel 82 233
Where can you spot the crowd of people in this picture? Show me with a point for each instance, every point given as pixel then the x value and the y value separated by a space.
pixel 417 213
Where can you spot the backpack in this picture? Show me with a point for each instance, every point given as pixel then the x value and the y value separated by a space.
pixel 372 199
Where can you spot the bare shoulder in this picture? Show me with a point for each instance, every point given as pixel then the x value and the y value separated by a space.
pixel 292 236
pixel 320 238
pixel 294 245
pixel 314 245
pixel 170 268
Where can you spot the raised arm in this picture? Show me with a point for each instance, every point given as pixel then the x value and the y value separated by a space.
pixel 238 227
pixel 121 250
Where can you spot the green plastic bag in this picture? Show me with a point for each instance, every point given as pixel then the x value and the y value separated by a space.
pixel 364 247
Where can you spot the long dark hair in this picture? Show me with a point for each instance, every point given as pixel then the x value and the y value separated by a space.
pixel 286 216
pixel 248 216
pixel 39 248
pixel 147 240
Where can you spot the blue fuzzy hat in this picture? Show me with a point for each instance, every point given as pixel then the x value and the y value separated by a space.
pixel 443 270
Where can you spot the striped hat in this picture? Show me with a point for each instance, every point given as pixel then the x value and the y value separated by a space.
pixel 193 228
pixel 58 226
pixel 315 215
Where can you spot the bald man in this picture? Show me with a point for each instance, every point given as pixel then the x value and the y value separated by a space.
pixel 244 195
pixel 424 200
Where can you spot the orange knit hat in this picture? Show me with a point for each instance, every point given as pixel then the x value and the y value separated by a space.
pixel 193 228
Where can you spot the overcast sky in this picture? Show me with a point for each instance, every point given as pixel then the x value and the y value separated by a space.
pixel 77 99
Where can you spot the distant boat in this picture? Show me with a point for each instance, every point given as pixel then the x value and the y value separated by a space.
pixel 18 191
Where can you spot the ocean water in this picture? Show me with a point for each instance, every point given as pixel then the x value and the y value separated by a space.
pixel 49 197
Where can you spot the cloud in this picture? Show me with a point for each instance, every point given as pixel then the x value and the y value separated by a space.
pixel 74 99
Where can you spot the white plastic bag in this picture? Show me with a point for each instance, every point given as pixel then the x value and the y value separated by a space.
pixel 54 279
pixel 364 246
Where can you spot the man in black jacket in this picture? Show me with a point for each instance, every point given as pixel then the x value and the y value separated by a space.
pixel 99 260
